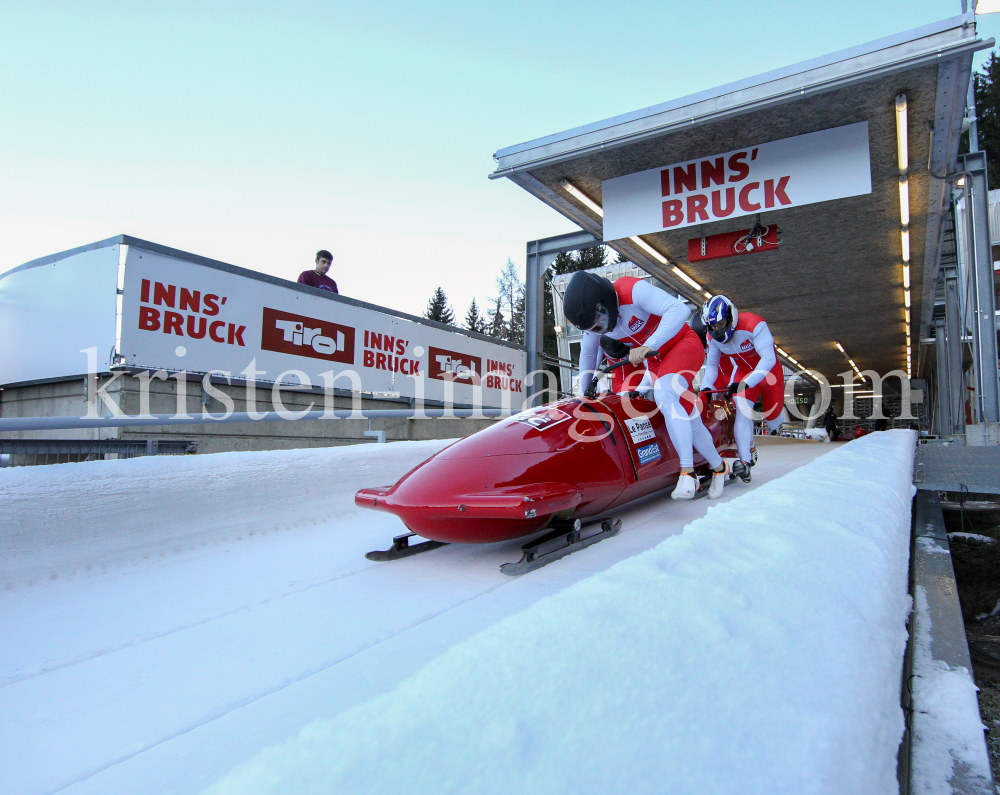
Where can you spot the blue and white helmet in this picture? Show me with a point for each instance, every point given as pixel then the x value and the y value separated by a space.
pixel 720 317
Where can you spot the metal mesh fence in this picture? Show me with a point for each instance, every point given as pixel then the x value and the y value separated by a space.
pixel 37 452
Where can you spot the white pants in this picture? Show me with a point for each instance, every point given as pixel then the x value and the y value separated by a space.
pixel 743 428
pixel 687 431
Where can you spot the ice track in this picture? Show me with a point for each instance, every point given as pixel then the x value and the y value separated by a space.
pixel 231 611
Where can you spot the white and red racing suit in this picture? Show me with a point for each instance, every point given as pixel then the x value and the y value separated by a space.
pixel 649 316
pixel 749 357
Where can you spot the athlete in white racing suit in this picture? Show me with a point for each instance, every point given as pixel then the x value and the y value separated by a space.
pixel 649 319
pixel 744 339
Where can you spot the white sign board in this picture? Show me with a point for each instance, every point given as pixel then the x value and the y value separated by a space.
pixel 179 315
pixel 50 312
pixel 816 167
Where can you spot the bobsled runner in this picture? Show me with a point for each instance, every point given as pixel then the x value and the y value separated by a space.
pixel 558 468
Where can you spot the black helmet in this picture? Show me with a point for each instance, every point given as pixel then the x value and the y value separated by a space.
pixel 699 327
pixel 587 296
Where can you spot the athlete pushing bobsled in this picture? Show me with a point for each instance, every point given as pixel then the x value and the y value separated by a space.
pixel 741 345
pixel 649 320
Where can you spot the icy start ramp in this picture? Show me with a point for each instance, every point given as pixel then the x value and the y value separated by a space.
pixel 185 613
pixel 757 652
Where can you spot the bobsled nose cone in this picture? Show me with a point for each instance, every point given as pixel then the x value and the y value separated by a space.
pixel 454 500
pixel 510 480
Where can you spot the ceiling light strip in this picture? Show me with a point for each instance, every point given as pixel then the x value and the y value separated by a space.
pixel 849 359
pixel 576 193
pixel 903 163
pixel 585 200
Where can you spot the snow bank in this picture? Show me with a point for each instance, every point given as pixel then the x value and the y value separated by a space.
pixel 59 519
pixel 757 652
pixel 973 537
pixel 947 744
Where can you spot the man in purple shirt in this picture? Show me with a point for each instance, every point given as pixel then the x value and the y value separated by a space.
pixel 317 277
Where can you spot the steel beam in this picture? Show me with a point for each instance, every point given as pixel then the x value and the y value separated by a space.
pixel 945 135
pixel 983 309
pixel 930 44
pixel 625 247
pixel 560 244
pixel 953 353
pixel 540 255
pixel 945 426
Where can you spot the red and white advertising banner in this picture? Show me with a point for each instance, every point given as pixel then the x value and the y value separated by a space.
pixel 179 315
pixel 816 167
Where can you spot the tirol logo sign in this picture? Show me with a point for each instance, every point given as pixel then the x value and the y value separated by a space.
pixel 460 368
pixel 541 419
pixel 284 332
pixel 816 167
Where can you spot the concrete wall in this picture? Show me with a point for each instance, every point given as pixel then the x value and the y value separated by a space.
pixel 67 398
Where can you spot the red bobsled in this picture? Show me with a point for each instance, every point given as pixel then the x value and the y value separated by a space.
pixel 556 466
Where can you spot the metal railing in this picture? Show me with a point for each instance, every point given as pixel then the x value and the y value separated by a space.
pixel 33 452
pixel 125 421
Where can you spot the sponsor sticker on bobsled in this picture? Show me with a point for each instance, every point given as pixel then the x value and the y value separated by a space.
pixel 640 429
pixel 540 420
pixel 648 453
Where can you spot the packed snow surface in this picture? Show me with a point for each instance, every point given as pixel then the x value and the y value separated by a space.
pixel 946 742
pixel 176 623
pixel 60 520
pixel 757 652
pixel 973 537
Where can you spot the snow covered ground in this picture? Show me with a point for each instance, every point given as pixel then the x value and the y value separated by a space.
pixel 171 625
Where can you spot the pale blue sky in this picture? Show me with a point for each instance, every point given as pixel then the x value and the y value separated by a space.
pixel 258 133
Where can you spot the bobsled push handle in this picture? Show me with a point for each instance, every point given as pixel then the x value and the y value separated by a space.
pixel 591 392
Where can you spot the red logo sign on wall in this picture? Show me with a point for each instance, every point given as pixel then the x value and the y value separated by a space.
pixel 306 336
pixel 453 366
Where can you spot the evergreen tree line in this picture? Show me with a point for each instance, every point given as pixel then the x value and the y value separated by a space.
pixel 987 92
pixel 504 317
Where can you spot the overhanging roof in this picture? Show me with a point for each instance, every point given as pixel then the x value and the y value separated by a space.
pixel 837 275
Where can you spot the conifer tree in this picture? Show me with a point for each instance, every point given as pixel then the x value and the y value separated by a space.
pixel 438 309
pixel 988 115
pixel 473 320
pixel 510 303
pixel 517 320
pixel 566 263
pixel 987 85
pixel 496 326
pixel 594 257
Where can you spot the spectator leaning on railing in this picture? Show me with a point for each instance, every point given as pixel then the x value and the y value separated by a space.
pixel 317 276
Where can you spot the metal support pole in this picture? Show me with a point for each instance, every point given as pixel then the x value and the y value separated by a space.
pixel 983 309
pixel 541 254
pixel 970 107
pixel 534 305
pixel 953 340
pixel 945 427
